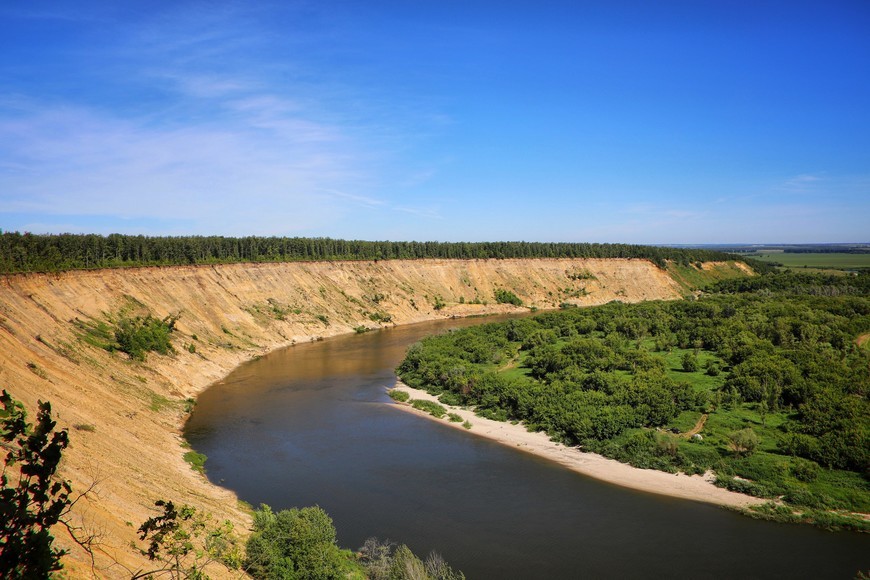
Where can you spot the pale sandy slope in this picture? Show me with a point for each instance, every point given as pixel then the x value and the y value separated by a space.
pixel 693 487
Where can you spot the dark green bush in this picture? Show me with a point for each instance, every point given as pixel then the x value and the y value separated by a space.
pixel 503 296
pixel 804 469
pixel 400 396
pixel 137 336
pixel 430 407
pixel 294 543
pixel 449 398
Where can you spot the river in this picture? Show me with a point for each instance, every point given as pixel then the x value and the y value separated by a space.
pixel 312 424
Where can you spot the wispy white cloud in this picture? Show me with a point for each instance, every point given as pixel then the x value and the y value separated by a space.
pixel 803 183
pixel 426 212
pixel 229 145
pixel 73 161
pixel 362 200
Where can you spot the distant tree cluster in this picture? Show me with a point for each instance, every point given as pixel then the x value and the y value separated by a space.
pixel 776 367
pixel 51 253
pixel 797 283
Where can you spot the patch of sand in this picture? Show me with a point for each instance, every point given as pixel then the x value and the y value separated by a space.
pixel 692 487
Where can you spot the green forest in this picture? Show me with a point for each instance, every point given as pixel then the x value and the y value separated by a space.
pixel 58 252
pixel 763 380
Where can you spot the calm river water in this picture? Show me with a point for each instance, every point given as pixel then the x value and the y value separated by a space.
pixel 312 425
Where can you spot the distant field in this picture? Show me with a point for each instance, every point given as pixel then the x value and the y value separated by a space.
pixel 821 261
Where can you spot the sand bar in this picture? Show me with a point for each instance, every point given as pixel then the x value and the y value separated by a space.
pixel 692 487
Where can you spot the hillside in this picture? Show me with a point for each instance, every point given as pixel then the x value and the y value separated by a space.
pixel 125 416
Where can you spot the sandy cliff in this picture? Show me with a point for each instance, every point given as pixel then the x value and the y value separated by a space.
pixel 125 416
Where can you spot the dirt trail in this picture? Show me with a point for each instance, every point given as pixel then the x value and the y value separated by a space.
pixel 697 428
pixel 125 417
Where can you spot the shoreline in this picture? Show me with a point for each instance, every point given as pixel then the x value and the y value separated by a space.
pixel 682 486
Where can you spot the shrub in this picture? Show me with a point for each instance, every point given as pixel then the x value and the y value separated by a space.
pixel 137 336
pixel 37 370
pixel 700 455
pixel 454 418
pixel 196 461
pixel 806 498
pixel 742 486
pixel 689 362
pixel 385 560
pixel 430 407
pixel 381 317
pixel 743 442
pixel 804 469
pixel 294 543
pixel 450 398
pixel 397 395
pixel 503 296
pixel 183 541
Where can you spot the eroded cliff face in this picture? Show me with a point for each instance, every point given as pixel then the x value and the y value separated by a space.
pixel 125 416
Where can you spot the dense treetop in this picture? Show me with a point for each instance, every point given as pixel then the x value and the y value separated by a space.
pixel 56 252
pixel 770 371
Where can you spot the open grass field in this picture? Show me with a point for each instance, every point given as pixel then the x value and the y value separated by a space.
pixel 822 261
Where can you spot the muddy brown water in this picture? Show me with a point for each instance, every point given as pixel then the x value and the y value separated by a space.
pixel 312 424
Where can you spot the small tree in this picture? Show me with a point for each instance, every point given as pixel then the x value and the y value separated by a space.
pixel 503 296
pixel 690 362
pixel 32 500
pixel 294 543
pixel 183 542
pixel 743 442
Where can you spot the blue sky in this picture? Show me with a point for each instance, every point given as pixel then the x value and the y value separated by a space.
pixel 612 121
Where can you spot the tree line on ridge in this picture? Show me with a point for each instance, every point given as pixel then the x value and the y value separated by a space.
pixel 58 252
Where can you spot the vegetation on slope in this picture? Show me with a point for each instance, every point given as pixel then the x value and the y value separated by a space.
pixel 180 542
pixel 50 253
pixel 133 335
pixel 768 368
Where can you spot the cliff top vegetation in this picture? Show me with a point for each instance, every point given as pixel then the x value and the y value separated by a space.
pixel 58 252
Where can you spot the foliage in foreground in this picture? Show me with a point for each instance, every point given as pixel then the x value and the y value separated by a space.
pixel 182 542
pixel 32 499
pixel 387 561
pixel 771 377
pixel 300 543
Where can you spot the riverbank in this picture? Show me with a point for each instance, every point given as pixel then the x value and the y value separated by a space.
pixel 125 416
pixel 691 487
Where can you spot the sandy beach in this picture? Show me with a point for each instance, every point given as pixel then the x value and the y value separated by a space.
pixel 692 487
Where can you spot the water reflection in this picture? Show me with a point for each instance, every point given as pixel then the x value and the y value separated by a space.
pixel 308 425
